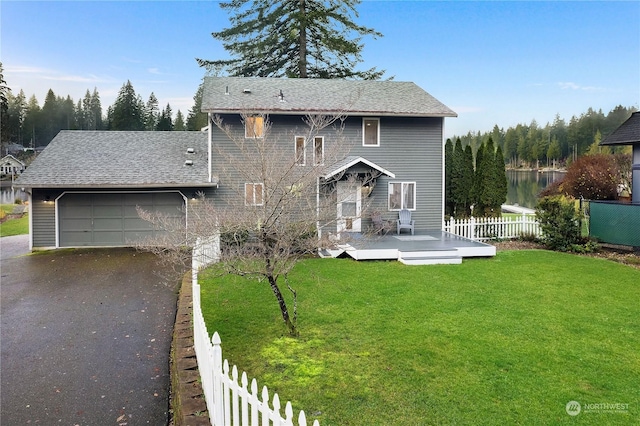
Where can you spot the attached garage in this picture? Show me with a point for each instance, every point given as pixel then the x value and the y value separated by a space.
pixel 85 186
pixel 111 219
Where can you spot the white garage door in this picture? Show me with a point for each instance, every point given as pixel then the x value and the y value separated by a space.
pixel 111 219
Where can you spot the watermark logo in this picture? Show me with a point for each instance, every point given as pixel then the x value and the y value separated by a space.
pixel 573 408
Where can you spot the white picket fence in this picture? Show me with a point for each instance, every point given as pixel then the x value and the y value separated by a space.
pixel 230 402
pixel 492 228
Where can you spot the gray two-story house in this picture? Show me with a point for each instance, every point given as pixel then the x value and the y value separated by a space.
pixel 393 130
pixel 386 132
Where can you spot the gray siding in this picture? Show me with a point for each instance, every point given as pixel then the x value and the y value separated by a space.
pixel 411 148
pixel 43 218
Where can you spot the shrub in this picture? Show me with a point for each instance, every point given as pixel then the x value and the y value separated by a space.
pixel 559 223
pixel 594 177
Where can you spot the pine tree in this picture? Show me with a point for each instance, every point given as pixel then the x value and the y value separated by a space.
pixel 127 112
pixel 448 170
pixel 151 113
pixel 286 38
pixel 502 183
pixel 4 107
pixel 96 110
pixel 197 119
pixel 456 178
pixel 478 182
pixel 487 194
pixel 179 125
pixel 165 122
pixel 467 179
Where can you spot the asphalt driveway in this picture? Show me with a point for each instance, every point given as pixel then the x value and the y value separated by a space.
pixel 84 338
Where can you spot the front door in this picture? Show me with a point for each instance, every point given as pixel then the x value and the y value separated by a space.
pixel 349 206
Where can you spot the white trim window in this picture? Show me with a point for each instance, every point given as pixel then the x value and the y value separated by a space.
pixel 370 132
pixel 318 150
pixel 300 148
pixel 254 127
pixel 253 194
pixel 402 195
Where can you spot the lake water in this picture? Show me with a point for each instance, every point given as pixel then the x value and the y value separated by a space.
pixel 524 186
pixel 8 196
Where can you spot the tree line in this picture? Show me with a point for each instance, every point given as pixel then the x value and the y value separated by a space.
pixel 555 144
pixel 26 123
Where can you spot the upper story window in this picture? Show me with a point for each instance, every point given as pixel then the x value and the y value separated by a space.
pixel 371 132
pixel 402 195
pixel 318 150
pixel 253 194
pixel 254 127
pixel 300 151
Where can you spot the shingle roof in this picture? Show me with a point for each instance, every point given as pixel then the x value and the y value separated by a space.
pixel 119 159
pixel 314 96
pixel 627 134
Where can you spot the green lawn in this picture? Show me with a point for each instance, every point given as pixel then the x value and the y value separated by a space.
pixel 13 226
pixel 507 340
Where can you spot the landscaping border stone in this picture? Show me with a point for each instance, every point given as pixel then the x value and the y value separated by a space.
pixel 187 397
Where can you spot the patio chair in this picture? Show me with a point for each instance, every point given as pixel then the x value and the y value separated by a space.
pixel 404 220
pixel 380 226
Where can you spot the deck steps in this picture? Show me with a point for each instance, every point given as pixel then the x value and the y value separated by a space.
pixel 440 257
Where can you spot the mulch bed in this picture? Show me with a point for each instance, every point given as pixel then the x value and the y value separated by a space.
pixel 618 254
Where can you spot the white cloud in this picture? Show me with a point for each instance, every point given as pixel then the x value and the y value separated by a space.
pixel 154 71
pixel 569 85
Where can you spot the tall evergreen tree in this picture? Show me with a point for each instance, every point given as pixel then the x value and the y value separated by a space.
pixel 165 122
pixel 467 180
pixel 17 111
pixel 4 107
pixel 449 202
pixel 33 127
pixel 462 179
pixel 127 112
pixel 501 182
pixel 151 113
pixel 197 119
pixel 178 124
pixel 293 38
pixel 478 182
pixel 96 110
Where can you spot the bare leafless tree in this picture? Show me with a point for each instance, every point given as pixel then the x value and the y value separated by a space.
pixel 272 207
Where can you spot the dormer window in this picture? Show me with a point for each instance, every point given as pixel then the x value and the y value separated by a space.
pixel 254 127
pixel 370 132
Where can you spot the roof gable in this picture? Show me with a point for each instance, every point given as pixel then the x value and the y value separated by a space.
pixel 319 96
pixel 627 134
pixel 11 159
pixel 119 159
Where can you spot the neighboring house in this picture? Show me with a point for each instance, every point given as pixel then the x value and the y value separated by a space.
pixel 11 166
pixel 629 134
pixel 85 185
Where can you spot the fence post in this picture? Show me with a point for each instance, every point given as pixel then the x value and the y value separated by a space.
pixel 218 404
pixel 472 229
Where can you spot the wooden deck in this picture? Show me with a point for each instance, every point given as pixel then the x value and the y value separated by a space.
pixel 426 247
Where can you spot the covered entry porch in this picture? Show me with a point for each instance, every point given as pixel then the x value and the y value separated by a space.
pixel 425 247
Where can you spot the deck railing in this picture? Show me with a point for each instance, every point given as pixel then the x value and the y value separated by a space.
pixel 494 228
pixel 230 402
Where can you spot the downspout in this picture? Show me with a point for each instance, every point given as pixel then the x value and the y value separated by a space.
pixel 319 231
pixel 442 201
pixel 209 128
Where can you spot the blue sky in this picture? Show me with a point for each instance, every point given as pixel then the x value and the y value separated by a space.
pixel 492 62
